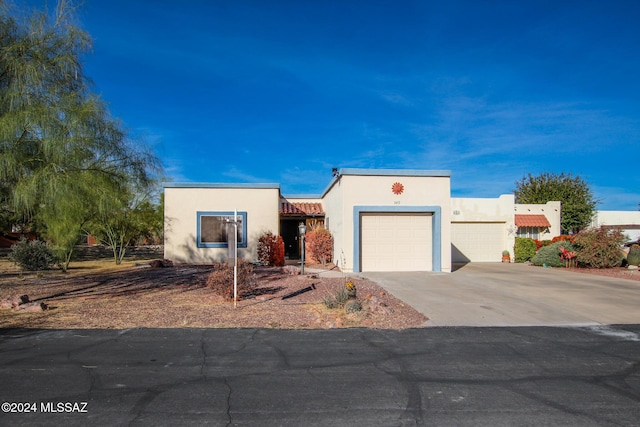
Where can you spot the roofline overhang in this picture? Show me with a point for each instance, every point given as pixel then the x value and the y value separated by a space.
pixel 221 185
pixel 301 196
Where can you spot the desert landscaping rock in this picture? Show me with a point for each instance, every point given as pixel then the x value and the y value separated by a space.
pixel 20 302
pixel 32 307
pixel 134 297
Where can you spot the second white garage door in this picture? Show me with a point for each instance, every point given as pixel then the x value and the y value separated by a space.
pixel 477 241
pixel 396 242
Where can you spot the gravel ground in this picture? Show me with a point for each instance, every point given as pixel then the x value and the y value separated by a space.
pixel 177 297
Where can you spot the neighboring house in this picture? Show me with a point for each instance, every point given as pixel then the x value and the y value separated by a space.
pixel 381 220
pixel 627 221
pixel 7 240
pixel 541 222
pixel 481 228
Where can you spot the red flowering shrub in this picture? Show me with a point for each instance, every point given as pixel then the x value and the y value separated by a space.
pixel 563 238
pixel 221 279
pixel 541 243
pixel 319 246
pixel 271 250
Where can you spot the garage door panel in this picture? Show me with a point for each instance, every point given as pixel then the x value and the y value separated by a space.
pixel 478 241
pixel 396 242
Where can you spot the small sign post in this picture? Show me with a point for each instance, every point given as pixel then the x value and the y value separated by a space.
pixel 232 241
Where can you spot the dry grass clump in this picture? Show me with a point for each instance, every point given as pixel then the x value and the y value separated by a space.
pixel 221 279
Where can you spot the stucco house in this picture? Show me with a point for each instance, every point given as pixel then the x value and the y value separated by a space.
pixel 381 220
pixel 627 221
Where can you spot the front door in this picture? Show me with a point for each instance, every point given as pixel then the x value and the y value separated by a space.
pixel 289 233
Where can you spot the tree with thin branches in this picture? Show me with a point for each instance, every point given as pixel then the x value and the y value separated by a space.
pixel 60 150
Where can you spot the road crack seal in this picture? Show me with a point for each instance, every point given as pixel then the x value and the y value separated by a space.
pixel 226 383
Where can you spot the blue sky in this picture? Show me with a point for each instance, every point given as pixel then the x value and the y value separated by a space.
pixel 282 91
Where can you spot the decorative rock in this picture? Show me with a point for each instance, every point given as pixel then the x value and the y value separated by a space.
pixel 291 270
pixel 378 307
pixel 161 263
pixel 14 301
pixel 31 307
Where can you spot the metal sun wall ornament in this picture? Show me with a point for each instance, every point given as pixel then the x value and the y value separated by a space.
pixel 397 188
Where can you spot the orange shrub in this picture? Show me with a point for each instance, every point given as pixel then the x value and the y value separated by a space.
pixel 541 243
pixel 319 246
pixel 564 237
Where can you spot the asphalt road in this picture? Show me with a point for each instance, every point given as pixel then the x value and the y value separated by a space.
pixel 570 376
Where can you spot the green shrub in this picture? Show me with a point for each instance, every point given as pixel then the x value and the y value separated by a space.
pixel 339 299
pixel 221 279
pixel 353 306
pixel 524 249
pixel 634 255
pixel 600 247
pixel 330 302
pixel 32 256
pixel 550 255
pixel 344 298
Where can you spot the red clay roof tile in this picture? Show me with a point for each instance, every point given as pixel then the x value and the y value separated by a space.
pixel 301 208
pixel 532 221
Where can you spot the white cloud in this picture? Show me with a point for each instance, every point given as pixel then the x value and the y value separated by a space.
pixel 616 198
pixel 239 175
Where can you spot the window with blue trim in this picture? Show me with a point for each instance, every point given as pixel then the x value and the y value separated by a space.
pixel 214 229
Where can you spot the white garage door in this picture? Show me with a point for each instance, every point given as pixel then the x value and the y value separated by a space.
pixel 396 242
pixel 477 241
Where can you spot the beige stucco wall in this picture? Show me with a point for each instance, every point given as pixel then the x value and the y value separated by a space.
pixel 355 189
pixel 470 209
pixel 334 221
pixel 551 210
pixel 500 209
pixel 183 202
pixel 300 199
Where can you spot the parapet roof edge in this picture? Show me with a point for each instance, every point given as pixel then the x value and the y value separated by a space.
pixel 395 172
pixel 220 185
pixel 385 172
pixel 301 196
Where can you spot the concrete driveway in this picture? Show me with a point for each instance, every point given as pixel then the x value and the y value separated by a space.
pixel 496 294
